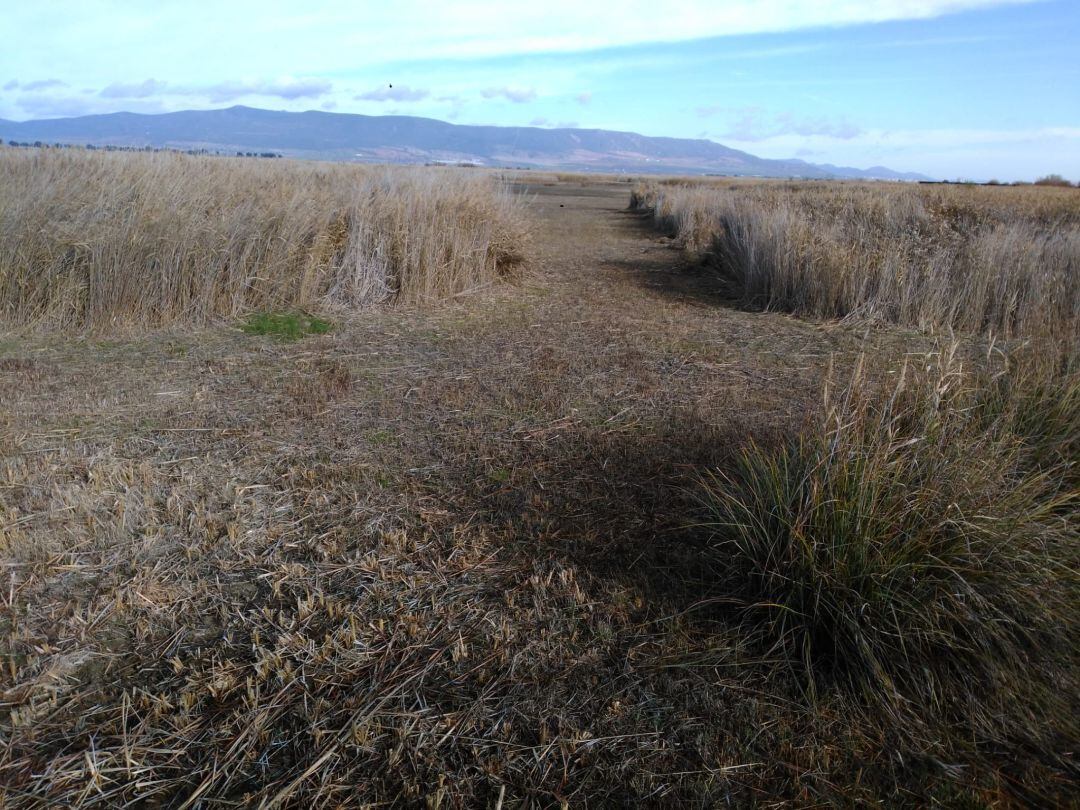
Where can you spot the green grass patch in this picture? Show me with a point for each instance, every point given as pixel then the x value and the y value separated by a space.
pixel 285 325
pixel 381 437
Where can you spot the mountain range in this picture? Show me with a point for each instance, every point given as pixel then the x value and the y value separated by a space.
pixel 409 139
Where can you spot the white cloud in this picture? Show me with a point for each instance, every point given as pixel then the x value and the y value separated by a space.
pixel 41 84
pixel 391 93
pixel 267 36
pixel 583 98
pixel 143 89
pixel 755 124
pixel 518 95
pixel 952 138
pixel 287 88
pixel 482 29
pixel 49 98
pixel 51 105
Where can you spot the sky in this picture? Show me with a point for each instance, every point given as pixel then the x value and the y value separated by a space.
pixel 973 89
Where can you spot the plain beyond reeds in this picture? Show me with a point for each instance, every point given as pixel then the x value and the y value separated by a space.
pixel 100 240
pixel 994 261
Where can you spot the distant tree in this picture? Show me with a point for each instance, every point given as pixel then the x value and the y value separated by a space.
pixel 1053 180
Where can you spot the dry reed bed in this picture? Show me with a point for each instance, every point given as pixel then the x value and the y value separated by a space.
pixel 992 261
pixel 917 543
pixel 94 240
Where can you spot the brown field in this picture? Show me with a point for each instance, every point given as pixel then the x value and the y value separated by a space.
pixel 619 530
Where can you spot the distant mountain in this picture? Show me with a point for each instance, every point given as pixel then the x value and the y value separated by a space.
pixel 407 139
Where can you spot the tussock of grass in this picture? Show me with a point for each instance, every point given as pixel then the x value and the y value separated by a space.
pixel 1002 262
pixel 285 325
pixel 912 547
pixel 94 240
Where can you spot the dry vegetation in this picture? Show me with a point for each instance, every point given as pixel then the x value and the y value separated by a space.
pixel 995 261
pixel 95 240
pixel 582 541
pixel 918 543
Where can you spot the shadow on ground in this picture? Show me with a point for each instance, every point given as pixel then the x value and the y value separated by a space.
pixel 663 267
pixel 619 502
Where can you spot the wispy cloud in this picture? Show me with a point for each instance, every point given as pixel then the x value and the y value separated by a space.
pixel 583 98
pixel 392 93
pixel 143 89
pixel 289 89
pixel 755 124
pixel 39 84
pixel 963 138
pixel 43 84
pixel 518 95
pixel 51 105
pixel 324 36
pixel 922 42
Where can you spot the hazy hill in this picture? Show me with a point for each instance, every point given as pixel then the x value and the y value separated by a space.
pixel 408 139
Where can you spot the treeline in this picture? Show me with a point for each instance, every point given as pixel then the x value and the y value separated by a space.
pixel 1048 180
pixel 114 148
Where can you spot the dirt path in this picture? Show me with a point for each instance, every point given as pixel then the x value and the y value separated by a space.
pixel 430 553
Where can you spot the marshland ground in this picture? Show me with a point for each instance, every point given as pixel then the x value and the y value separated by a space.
pixel 472 552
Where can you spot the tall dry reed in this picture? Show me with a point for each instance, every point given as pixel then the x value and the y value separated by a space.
pixel 94 240
pixel 1002 261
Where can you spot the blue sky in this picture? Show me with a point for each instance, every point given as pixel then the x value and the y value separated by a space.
pixel 953 88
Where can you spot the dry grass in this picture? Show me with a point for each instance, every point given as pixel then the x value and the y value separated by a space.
pixel 916 545
pixel 92 240
pixel 990 261
pixel 455 557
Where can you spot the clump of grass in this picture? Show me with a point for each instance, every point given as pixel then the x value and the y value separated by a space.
pixel 907 549
pixel 94 241
pixel 285 325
